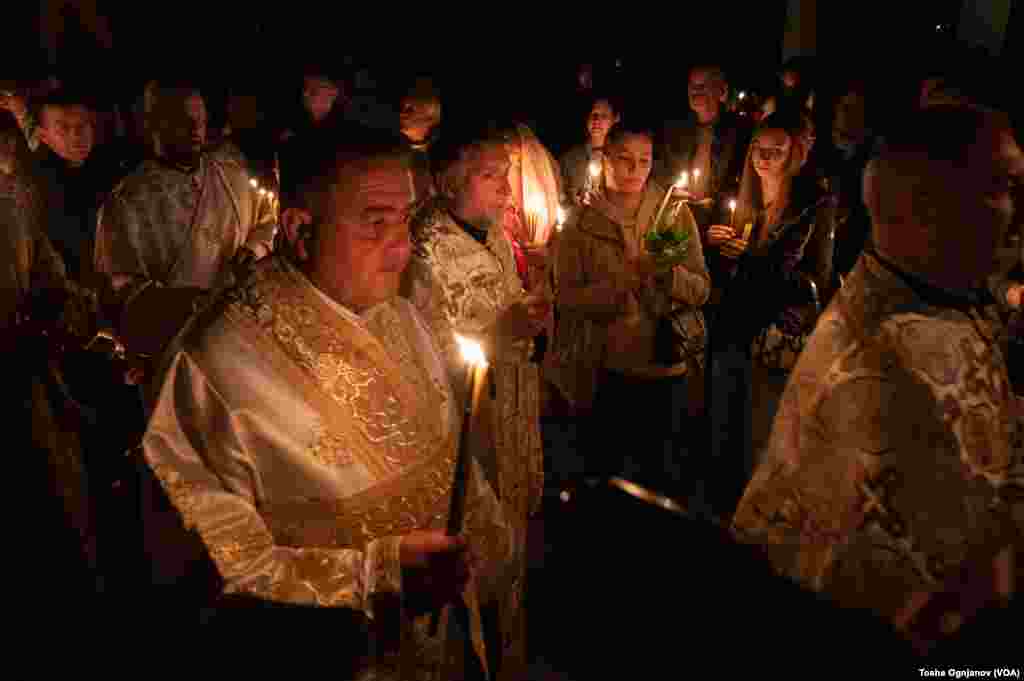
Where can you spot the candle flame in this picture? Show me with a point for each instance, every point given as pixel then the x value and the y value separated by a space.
pixel 536 208
pixel 732 205
pixel 471 351
pixel 696 174
pixel 595 169
pixel 270 195
pixel 683 180
pixel 742 95
pixel 254 183
pixel 561 219
pixel 263 192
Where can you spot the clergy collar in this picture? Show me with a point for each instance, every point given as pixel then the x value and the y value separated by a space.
pixel 479 235
pixel 937 296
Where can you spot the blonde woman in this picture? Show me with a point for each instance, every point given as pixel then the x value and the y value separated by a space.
pixel 780 245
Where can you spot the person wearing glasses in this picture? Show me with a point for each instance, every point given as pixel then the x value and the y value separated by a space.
pixel 778 247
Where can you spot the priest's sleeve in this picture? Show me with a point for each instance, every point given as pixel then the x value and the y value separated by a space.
pixel 193 445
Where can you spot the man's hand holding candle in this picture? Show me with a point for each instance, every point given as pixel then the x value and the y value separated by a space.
pixel 435 569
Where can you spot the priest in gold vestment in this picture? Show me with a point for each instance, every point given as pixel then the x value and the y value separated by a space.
pixel 890 482
pixel 307 432
pixel 465 279
pixel 183 220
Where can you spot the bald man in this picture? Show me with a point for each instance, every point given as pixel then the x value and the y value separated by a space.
pixel 886 483
pixel 181 221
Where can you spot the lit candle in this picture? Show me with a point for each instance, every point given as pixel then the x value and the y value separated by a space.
pixel 561 219
pixel 593 176
pixel 536 216
pixel 742 96
pixel 475 378
pixel 680 183
pixel 732 213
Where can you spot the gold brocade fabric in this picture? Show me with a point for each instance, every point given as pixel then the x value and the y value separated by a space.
pixel 180 228
pixel 890 469
pixel 376 378
pixel 380 448
pixel 473 283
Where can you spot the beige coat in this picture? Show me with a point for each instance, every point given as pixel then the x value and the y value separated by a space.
pixel 602 323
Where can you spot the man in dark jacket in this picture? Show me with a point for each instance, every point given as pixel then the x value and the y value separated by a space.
pixel 72 180
pixel 710 140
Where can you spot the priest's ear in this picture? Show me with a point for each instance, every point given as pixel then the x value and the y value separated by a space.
pixel 298 227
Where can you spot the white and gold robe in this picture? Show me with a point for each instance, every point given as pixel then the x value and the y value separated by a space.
pixel 302 441
pixel 180 229
pixel 461 285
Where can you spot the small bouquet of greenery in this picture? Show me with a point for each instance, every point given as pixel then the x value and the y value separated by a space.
pixel 668 244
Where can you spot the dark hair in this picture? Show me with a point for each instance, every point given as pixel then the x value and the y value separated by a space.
pixel 8 124
pixel 613 102
pixel 711 67
pixel 341 148
pixel 419 87
pixel 63 98
pixel 621 131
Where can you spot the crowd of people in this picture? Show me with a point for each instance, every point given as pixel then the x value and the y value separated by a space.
pixel 240 378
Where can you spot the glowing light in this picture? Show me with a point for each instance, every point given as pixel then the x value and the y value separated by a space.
pixel 595 169
pixel 743 96
pixel 684 180
pixel 471 351
pixel 732 205
pixel 254 184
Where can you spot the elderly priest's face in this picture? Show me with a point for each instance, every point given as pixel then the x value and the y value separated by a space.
pixel 361 254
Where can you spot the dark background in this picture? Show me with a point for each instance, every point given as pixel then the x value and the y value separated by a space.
pixel 496 60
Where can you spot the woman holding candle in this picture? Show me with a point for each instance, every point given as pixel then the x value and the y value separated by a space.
pixel 610 299
pixel 779 247
pixel 576 163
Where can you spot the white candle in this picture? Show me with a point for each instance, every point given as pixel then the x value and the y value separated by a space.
pixel 732 213
pixel 536 216
pixel 593 175
pixel 680 183
pixel 476 373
